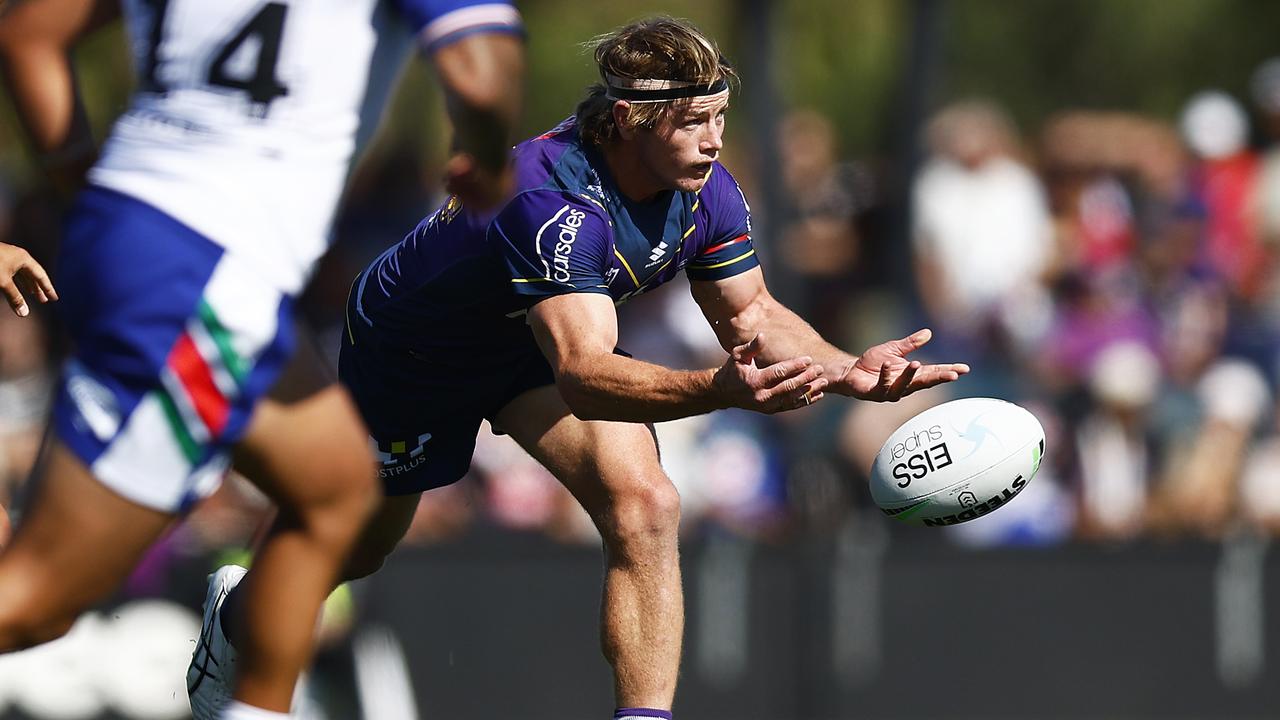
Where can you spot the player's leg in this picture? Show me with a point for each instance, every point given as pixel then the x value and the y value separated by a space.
pixel 613 471
pixel 312 458
pixel 123 461
pixel 381 535
pixel 308 373
pixel 76 543
pixel 422 430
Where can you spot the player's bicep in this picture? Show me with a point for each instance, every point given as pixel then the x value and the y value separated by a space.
pixel 573 329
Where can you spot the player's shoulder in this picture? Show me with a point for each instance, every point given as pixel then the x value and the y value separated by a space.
pixel 531 212
pixel 722 198
pixel 556 161
pixel 721 183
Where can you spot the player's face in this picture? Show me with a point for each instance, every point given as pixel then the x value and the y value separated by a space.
pixel 685 142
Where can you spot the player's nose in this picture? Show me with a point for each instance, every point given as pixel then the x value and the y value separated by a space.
pixel 714 140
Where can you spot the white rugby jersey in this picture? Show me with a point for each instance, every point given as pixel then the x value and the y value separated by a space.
pixel 249 113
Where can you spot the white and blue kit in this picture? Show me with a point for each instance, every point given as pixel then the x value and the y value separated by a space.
pixel 206 213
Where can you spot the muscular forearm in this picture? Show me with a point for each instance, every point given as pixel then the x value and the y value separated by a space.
pixel 786 335
pixel 612 387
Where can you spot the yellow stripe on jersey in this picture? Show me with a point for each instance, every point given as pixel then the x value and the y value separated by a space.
pixel 743 256
pixel 689 232
pixel 529 280
pixel 628 267
pixel 696 203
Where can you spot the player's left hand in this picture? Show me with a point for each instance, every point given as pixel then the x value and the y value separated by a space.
pixel 884 374
pixel 20 276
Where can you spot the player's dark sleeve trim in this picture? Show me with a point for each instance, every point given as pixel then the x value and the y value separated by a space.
pixel 743 256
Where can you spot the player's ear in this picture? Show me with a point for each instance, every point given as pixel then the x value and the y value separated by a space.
pixel 622 119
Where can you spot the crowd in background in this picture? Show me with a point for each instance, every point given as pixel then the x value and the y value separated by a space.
pixel 1114 273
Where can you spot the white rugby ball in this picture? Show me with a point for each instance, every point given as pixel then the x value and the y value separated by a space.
pixel 957 461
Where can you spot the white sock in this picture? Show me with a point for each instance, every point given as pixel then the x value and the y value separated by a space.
pixel 236 710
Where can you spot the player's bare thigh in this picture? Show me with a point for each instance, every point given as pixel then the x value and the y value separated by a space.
pixel 594 459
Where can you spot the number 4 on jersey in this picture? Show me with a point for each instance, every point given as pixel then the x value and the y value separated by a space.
pixel 262 85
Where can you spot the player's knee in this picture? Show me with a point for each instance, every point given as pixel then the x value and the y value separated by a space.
pixel 643 517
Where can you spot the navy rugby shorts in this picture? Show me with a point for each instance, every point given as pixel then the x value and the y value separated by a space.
pixel 423 409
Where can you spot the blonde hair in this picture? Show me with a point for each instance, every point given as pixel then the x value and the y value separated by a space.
pixel 660 48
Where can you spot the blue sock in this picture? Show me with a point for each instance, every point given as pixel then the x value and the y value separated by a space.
pixel 641 714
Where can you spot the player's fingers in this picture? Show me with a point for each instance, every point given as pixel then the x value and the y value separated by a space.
pixel 914 341
pixel 790 374
pixel 803 396
pixel 903 382
pixel 792 383
pixel 747 351
pixel 936 375
pixel 41 282
pixel 808 397
pixel 886 374
pixel 28 287
pixel 14 296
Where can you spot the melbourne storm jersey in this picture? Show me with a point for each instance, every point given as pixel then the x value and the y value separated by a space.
pixel 248 113
pixel 463 280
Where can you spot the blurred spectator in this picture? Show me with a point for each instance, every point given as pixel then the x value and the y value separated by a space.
pixel 1266 96
pixel 1114 453
pixel 818 238
pixel 982 234
pixel 1216 130
pixel 1114 179
pixel 1260 479
pixel 1202 482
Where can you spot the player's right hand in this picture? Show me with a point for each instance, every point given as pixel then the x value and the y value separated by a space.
pixel 785 385
pixel 20 274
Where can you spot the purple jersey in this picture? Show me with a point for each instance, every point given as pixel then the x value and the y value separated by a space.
pixel 465 280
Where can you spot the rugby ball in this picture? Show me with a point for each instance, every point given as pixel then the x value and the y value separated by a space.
pixel 957 461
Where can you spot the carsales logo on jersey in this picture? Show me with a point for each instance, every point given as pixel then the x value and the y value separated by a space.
pixel 564 244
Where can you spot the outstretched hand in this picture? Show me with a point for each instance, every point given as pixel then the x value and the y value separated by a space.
pixel 20 276
pixel 884 374
pixel 785 385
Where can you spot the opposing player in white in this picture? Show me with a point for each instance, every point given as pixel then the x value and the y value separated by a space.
pixel 203 218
